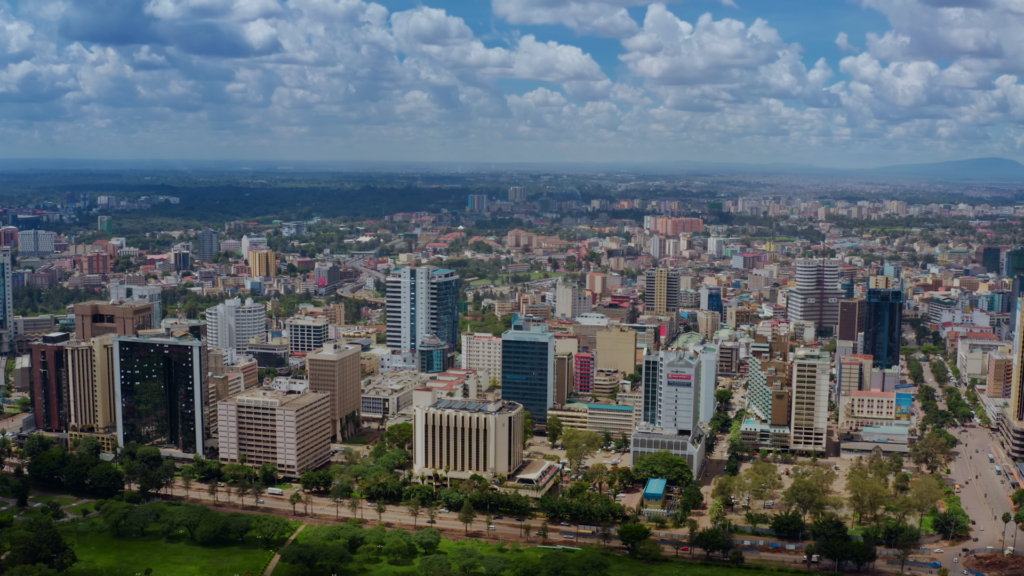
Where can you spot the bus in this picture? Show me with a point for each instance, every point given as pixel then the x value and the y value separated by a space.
pixel 956 488
pixel 999 471
pixel 991 459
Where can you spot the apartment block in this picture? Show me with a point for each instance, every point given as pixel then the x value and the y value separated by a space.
pixel 334 370
pixel 809 429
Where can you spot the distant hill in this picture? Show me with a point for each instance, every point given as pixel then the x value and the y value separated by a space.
pixel 973 169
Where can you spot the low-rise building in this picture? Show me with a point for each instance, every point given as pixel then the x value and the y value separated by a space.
pixel 460 438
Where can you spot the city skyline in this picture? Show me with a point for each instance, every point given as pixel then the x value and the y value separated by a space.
pixel 849 84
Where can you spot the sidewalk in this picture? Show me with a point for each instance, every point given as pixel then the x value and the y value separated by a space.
pixel 277 557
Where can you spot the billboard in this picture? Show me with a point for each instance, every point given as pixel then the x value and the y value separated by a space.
pixel 904 403
pixel 680 380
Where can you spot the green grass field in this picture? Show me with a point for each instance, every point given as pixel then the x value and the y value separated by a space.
pixel 620 565
pixel 63 500
pixel 77 510
pixel 98 548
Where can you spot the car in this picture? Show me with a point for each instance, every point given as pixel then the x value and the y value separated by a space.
pixel 499 517
pixel 491 528
pixel 972 523
pixel 568 537
pixel 685 548
pixel 519 519
pixel 955 559
pixel 431 521
pixel 259 501
pixel 443 510
pixel 939 551
pixel 975 540
pixel 340 501
pixel 982 528
pixel 964 571
pixel 565 524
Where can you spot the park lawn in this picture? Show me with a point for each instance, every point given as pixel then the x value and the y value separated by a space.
pixel 98 548
pixel 620 565
pixel 63 500
pixel 90 507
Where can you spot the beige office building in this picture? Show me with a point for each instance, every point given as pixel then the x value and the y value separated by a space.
pixel 809 428
pixel 334 369
pixel 616 349
pixel 467 438
pixel 708 322
pixel 481 351
pixel 290 430
pixel 262 263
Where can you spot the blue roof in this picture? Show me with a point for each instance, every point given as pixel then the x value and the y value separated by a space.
pixel 610 407
pixel 655 489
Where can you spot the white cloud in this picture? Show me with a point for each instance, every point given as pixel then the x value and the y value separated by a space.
pixel 601 17
pixel 843 42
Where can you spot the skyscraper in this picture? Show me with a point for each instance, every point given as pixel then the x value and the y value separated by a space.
pixel 207 244
pixel 7 332
pixel 422 300
pixel 851 319
pixel 231 324
pixel 662 291
pixel 528 368
pixel 816 296
pixel 334 369
pixel 809 428
pixel 517 194
pixel 262 263
pixel 883 315
pixel 159 392
pixel 672 391
pixel 711 298
pixel 48 374
pixel 570 301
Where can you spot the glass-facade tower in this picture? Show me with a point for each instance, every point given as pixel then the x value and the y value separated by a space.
pixel 883 314
pixel 528 369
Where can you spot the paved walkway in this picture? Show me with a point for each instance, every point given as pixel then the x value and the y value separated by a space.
pixel 277 557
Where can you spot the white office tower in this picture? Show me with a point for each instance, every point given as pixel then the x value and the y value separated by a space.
pixel 36 243
pixel 131 293
pixel 708 359
pixel 716 246
pixel 809 428
pixel 657 247
pixel 816 297
pixel 231 324
pixel 7 332
pixel 252 242
pixel 422 301
pixel 672 382
pixel 570 301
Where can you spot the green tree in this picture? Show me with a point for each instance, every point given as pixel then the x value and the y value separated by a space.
pixel 579 445
pixel 867 493
pixel 466 558
pixel 188 517
pixel 664 464
pixel 435 564
pixel 722 398
pixel 399 435
pixel 141 517
pixel 712 540
pixel 788 524
pixel 427 539
pixel 496 565
pixel 736 557
pixel 267 474
pixel 38 541
pixel 632 534
pixel 268 529
pixel 554 428
pixel 415 509
pixel 114 515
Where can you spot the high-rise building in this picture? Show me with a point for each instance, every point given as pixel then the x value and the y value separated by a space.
pixel 711 298
pixel 290 430
pixel 232 324
pixel 207 244
pixel 47 375
pixel 463 439
pixel 616 349
pixel 517 194
pixel 481 351
pixel 36 243
pixel 570 301
pixel 262 263
pixel 809 428
pixel 853 373
pixel 158 391
pixel 477 203
pixel 708 322
pixel 7 329
pixel 990 259
pixel 1000 374
pixel 1013 262
pixel 528 368
pixel 662 291
pixel 252 242
pixel 672 382
pixel 307 333
pixel 334 369
pixel 422 300
pixel 565 378
pixel 9 236
pixel 716 246
pixel 120 318
pixel 816 296
pixel 583 372
pixel 182 260
pixel 851 319
pixel 883 317
pixel 90 387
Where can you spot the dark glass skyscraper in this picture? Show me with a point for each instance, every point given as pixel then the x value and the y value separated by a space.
pixel 883 315
pixel 159 392
pixel 528 368
pixel 990 256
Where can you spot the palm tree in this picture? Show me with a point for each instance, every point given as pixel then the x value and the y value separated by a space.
pixel 448 478
pixel 294 500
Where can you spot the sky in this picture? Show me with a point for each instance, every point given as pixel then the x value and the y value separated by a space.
pixel 843 83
